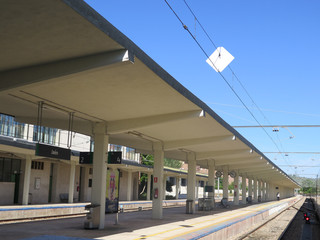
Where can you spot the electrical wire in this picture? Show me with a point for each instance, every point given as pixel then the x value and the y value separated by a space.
pixel 233 74
pixel 222 76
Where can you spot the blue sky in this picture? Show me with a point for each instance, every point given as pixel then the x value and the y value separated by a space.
pixel 276 50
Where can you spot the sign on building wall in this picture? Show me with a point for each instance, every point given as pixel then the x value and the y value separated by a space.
pixel 86 158
pixel 114 157
pixel 208 188
pixel 52 151
pixel 112 193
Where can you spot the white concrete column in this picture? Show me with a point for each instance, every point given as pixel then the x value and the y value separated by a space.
pixel 204 187
pixel 129 186
pixel 26 180
pixel 98 193
pixel 164 186
pixel 71 181
pixel 177 187
pixel 272 193
pixel 236 189
pixel 259 189
pixel 267 191
pixel 244 189
pixel 263 189
pixel 211 179
pixel 255 190
pixel 197 188
pixel 149 186
pixel 225 181
pixel 191 179
pixel 158 153
pixel 250 188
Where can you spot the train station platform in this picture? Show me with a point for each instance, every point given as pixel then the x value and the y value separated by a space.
pixel 24 212
pixel 220 223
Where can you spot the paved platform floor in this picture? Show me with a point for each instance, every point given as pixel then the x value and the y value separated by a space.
pixel 132 225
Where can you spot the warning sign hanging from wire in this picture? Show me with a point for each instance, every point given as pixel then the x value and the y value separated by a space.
pixel 220 59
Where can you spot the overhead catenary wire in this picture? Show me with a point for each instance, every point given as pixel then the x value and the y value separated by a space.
pixel 233 73
pixel 222 76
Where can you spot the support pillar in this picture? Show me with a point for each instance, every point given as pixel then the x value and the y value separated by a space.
pixel 191 180
pixel 149 186
pixel 263 189
pixel 267 191
pixel 250 188
pixel 26 181
pixel 225 181
pixel 177 187
pixel 255 191
pixel 71 181
pixel 197 189
pixel 211 181
pixel 204 192
pixel 129 186
pixel 158 154
pixel 259 190
pixel 164 186
pixel 98 193
pixel 236 189
pixel 244 189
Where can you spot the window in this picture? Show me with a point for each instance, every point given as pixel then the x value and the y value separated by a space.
pixel 183 182
pixel 46 134
pixel 172 180
pixel 9 127
pixel 37 165
pixel 201 183
pixel 90 183
pixel 8 169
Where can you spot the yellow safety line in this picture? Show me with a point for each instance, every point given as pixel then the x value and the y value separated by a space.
pixel 194 230
pixel 228 219
pixel 210 225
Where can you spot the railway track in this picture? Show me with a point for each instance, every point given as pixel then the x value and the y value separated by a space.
pixel 274 227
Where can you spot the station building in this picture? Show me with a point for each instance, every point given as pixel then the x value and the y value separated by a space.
pixel 49 178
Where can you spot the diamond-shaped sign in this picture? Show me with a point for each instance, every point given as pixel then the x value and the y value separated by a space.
pixel 220 59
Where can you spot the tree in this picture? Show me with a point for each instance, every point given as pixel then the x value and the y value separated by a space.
pixel 148 160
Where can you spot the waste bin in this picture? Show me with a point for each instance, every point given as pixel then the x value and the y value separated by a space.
pixel 201 203
pixel 205 204
pixel 189 207
pixel 93 215
pixel 208 204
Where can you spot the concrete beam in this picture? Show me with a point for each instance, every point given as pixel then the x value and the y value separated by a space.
pixel 213 154
pixel 30 75
pixel 120 126
pixel 220 162
pixel 258 166
pixel 170 145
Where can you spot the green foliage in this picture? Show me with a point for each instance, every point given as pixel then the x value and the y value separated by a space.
pixel 147 159
pixel 308 185
pixel 172 163
pixel 220 183
pixel 231 186
pixel 168 162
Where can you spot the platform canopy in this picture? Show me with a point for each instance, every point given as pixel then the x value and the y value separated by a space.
pixel 68 57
